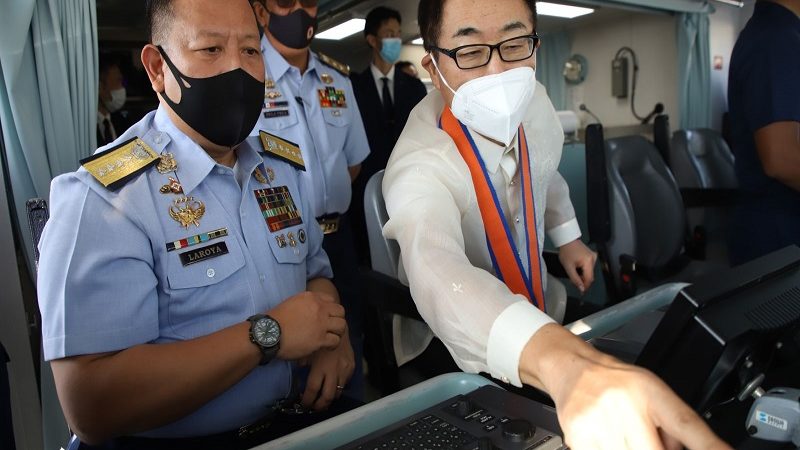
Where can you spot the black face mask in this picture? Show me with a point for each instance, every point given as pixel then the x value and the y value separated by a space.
pixel 223 108
pixel 294 30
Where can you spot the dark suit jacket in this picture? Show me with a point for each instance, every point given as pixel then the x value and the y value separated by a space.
pixel 382 135
pixel 121 122
pixel 408 91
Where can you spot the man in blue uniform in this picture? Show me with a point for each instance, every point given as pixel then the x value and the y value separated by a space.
pixel 309 101
pixel 764 102
pixel 181 271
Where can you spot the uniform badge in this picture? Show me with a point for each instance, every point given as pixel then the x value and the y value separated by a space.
pixel 272 95
pixel 336 113
pixel 281 241
pixel 282 149
pixel 270 174
pixel 196 239
pixel 173 187
pixel 292 241
pixel 301 235
pixel 187 211
pixel 278 208
pixel 326 78
pixel 330 97
pixel 203 253
pixel 260 176
pixel 115 166
pixel 167 163
pixel 269 83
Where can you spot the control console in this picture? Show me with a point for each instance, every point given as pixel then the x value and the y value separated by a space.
pixel 487 418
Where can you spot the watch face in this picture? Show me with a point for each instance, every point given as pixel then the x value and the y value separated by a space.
pixel 266 332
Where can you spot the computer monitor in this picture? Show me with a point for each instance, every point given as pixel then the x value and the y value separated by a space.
pixel 722 331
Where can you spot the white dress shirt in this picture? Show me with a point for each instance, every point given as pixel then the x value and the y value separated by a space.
pixel 378 75
pixel 435 217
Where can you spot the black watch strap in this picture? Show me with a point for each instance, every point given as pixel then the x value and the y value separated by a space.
pixel 268 353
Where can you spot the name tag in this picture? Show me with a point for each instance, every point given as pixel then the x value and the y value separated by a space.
pixel 203 253
pixel 276 113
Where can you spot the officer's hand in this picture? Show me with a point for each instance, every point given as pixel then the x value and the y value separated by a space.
pixel 309 321
pixel 603 403
pixel 578 260
pixel 330 369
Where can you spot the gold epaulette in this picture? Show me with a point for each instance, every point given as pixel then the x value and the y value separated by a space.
pixel 116 166
pixel 342 68
pixel 282 149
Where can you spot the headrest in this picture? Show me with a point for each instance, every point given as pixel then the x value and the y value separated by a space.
pixel 569 121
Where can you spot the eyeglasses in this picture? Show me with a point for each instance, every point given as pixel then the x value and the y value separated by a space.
pixel 303 3
pixel 479 55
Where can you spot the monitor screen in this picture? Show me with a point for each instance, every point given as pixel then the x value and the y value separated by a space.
pixel 721 332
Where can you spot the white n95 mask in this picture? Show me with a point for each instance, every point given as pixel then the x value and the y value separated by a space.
pixel 494 105
pixel 118 97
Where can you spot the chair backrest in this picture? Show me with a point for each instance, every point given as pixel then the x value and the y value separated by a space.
pixel 384 253
pixel 648 220
pixel 702 159
pixel 38 214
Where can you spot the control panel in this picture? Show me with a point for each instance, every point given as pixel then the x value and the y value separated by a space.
pixel 487 418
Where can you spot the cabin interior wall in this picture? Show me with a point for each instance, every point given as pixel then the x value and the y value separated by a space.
pixel 652 37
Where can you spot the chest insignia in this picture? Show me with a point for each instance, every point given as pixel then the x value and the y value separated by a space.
pixel 330 97
pixel 260 176
pixel 196 239
pixel 173 186
pixel 278 208
pixel 187 211
pixel 167 163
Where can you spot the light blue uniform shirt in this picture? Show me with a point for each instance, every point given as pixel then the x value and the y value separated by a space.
pixel 331 138
pixel 107 281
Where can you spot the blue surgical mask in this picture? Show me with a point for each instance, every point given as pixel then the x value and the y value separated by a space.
pixel 390 49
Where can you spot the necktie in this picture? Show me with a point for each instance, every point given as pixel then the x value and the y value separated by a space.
pixel 107 131
pixel 388 107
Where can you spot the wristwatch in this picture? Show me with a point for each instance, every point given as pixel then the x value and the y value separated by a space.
pixel 265 332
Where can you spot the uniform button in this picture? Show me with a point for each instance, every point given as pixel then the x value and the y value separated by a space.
pixel 157 138
pixel 221 171
pixel 210 273
pixel 244 214
pixel 516 219
pixel 504 379
pixel 262 277
pixel 513 182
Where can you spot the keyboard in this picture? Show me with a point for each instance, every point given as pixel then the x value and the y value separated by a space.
pixel 488 418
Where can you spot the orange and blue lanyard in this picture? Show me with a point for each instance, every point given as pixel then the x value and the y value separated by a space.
pixel 502 249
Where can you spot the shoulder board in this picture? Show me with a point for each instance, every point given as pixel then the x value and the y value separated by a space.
pixel 342 68
pixel 118 165
pixel 282 149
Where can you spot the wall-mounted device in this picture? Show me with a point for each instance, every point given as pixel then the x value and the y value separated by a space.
pixel 619 82
pixel 575 69
pixel 619 77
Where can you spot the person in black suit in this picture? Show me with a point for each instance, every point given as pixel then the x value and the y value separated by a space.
pixel 385 98
pixel 111 117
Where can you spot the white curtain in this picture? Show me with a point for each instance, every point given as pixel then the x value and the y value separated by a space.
pixel 48 94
